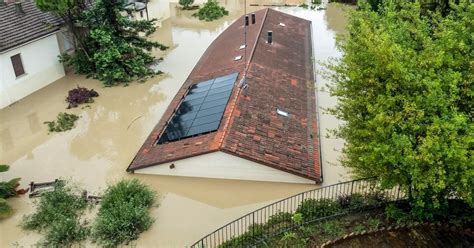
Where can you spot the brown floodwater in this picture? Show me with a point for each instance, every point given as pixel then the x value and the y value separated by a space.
pixel 109 133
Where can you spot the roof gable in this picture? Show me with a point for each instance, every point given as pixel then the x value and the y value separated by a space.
pixel 19 28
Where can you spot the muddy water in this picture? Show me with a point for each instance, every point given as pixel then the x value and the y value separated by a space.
pixel 112 129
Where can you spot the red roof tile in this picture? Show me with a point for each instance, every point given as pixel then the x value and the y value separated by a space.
pixel 279 75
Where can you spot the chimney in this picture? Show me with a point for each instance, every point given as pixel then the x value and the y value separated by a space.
pixel 246 20
pixel 269 37
pixel 253 18
pixel 19 7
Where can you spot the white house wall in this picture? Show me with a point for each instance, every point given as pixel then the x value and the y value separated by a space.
pixel 41 65
pixel 223 166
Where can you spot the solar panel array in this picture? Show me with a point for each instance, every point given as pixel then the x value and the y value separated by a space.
pixel 201 110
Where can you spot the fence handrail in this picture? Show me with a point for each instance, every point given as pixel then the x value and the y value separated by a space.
pixel 277 203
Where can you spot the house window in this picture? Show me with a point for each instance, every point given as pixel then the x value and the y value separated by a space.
pixel 17 65
pixel 67 41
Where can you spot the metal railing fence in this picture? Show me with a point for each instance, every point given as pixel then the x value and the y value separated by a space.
pixel 276 218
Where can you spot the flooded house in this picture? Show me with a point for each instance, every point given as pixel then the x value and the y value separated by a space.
pixel 247 111
pixel 30 43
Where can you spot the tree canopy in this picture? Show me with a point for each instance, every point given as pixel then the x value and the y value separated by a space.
pixel 405 90
pixel 112 46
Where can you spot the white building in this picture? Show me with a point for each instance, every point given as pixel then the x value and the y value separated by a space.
pixel 30 43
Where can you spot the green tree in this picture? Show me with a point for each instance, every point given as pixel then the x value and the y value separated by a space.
pixel 211 11
pixel 115 48
pixel 7 189
pixel 405 94
pixel 186 3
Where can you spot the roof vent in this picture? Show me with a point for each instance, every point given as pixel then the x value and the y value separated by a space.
pixel 282 24
pixel 19 7
pixel 238 58
pixel 242 46
pixel 253 18
pixel 282 113
pixel 269 37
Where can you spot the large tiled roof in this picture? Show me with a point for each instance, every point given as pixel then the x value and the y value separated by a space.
pixel 279 75
pixel 18 28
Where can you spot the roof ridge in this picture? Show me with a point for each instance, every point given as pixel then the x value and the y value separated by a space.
pixel 246 68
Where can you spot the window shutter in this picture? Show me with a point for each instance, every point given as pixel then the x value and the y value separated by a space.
pixel 17 65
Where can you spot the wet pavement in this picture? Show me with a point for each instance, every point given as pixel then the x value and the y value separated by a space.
pixel 110 132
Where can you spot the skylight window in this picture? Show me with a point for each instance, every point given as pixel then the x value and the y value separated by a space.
pixel 282 24
pixel 201 110
pixel 238 58
pixel 282 113
pixel 242 46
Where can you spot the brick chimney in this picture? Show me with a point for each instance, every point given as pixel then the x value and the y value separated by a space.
pixel 19 7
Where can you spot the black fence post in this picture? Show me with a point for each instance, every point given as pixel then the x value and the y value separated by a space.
pixel 352 187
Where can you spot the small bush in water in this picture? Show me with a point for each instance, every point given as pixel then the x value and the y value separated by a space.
pixel 123 213
pixel 57 216
pixel 211 11
pixel 63 122
pixel 80 95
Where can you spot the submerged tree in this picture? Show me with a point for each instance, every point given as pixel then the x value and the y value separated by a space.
pixel 115 47
pixel 405 89
pixel 211 11
pixel 187 4
pixel 7 189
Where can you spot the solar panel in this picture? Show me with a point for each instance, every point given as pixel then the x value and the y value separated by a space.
pixel 201 110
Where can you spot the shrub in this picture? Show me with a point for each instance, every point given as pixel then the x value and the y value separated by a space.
pixel 188 4
pixel 5 209
pixel 396 214
pixel 254 233
pixel 373 223
pixel 58 215
pixel 63 122
pixel 297 218
pixel 375 198
pixel 80 95
pixel 291 239
pixel 312 209
pixel 331 229
pixel 355 201
pixel 211 11
pixel 7 189
pixel 123 213
pixel 279 218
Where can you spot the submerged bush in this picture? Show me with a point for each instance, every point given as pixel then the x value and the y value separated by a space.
pixel 124 213
pixel 63 122
pixel 5 209
pixel 7 189
pixel 211 11
pixel 57 216
pixel 188 4
pixel 80 95
pixel 312 208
